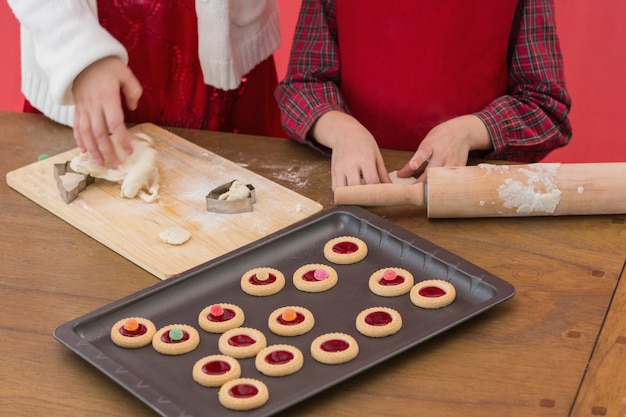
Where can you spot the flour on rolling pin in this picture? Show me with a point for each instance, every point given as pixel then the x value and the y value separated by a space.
pixel 538 193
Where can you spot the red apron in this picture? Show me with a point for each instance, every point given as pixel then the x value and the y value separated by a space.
pixel 407 66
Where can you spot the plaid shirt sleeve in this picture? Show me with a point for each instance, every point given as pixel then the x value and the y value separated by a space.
pixel 532 119
pixel 524 125
pixel 311 87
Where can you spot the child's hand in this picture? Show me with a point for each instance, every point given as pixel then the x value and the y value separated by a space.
pixel 356 158
pixel 97 97
pixel 448 144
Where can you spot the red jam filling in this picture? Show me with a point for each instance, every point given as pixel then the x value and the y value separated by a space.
pixel 243 391
pixel 345 248
pixel 140 330
pixel 165 337
pixel 255 281
pixel 279 357
pixel 227 314
pixel 310 276
pixel 399 279
pixel 216 367
pixel 334 345
pixel 378 318
pixel 241 340
pixel 299 319
pixel 432 292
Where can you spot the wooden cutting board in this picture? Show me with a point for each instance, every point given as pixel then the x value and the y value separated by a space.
pixel 188 173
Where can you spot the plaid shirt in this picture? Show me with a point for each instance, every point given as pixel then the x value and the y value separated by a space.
pixel 525 124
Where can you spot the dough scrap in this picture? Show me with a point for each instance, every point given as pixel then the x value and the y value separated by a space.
pixel 175 235
pixel 138 173
pixel 397 180
pixel 237 191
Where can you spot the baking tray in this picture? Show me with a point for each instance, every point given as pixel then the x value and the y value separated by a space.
pixel 165 384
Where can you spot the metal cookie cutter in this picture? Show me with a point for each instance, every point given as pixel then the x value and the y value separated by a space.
pixel 69 195
pixel 215 205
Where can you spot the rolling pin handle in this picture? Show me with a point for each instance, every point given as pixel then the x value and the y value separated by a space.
pixel 381 194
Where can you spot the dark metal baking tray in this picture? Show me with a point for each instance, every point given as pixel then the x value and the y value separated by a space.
pixel 165 384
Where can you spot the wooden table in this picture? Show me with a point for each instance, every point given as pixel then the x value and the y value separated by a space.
pixel 558 348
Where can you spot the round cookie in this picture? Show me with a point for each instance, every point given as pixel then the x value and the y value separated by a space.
pixel 262 281
pixel 279 360
pixel 215 370
pixel 290 321
pixel 334 348
pixel 175 339
pixel 315 278
pixel 433 293
pixel 391 282
pixel 132 332
pixel 378 322
pixel 345 250
pixel 241 342
pixel 217 318
pixel 243 394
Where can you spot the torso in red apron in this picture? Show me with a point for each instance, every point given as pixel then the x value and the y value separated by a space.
pixel 161 38
pixel 407 66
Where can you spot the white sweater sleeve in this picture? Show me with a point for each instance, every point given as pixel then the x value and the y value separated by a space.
pixel 60 38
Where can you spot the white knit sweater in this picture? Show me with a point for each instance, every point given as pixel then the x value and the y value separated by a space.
pixel 60 38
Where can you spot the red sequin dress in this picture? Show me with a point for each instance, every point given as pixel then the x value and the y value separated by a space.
pixel 162 43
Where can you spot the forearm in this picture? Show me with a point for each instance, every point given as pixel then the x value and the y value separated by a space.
pixel 66 37
pixel 311 86
pixel 532 119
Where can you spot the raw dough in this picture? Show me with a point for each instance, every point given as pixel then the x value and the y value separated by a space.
pixel 397 180
pixel 237 191
pixel 175 235
pixel 138 173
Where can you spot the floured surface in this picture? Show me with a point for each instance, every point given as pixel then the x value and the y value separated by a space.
pixel 188 173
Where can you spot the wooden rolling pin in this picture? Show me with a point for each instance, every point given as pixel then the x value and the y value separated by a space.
pixel 487 190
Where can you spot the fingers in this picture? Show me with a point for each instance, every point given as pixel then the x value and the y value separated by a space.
pixel 95 130
pixel 132 90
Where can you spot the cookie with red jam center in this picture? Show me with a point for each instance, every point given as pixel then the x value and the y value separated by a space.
pixel 279 360
pixel 220 317
pixel 290 321
pixel 433 293
pixel 243 394
pixel 334 348
pixel 175 339
pixel 262 281
pixel 215 370
pixel 132 332
pixel 345 250
pixel 378 322
pixel 391 282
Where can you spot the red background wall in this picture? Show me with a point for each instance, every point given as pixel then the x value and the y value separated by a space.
pixel 592 38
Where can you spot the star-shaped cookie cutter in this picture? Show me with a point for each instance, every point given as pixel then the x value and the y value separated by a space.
pixel 70 195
